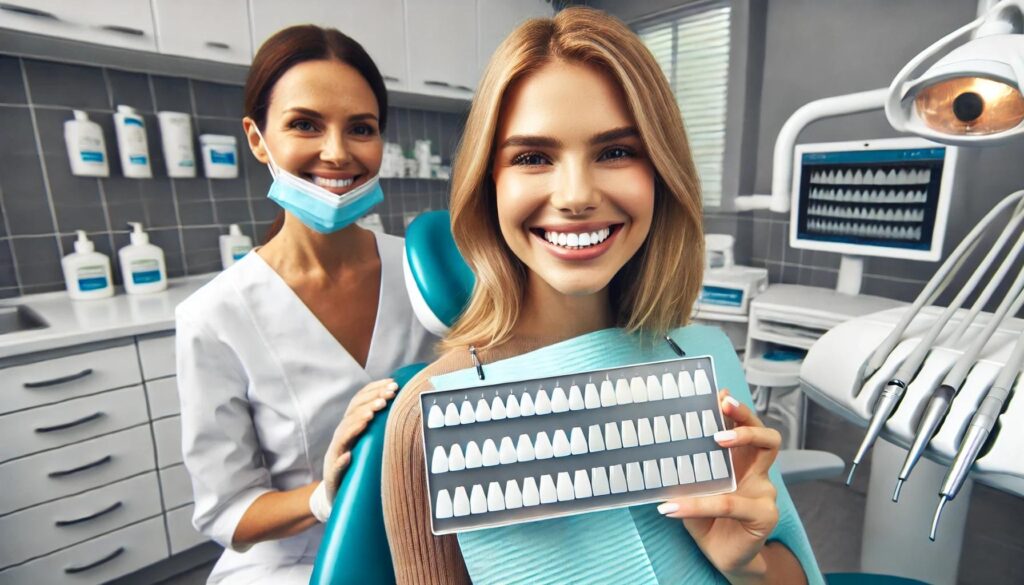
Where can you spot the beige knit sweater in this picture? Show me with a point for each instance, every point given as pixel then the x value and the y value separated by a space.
pixel 418 555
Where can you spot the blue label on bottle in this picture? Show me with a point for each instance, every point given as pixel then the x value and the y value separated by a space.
pixel 92 156
pixel 716 295
pixel 146 277
pixel 137 160
pixel 132 122
pixel 226 157
pixel 95 283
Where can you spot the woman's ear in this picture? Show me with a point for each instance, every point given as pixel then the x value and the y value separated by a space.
pixel 255 141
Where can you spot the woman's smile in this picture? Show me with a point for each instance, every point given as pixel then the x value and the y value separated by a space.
pixel 577 242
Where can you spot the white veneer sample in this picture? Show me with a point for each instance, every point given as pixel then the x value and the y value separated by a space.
pixel 652 477
pixel 565 491
pixel 669 475
pixel 661 432
pixel 701 467
pixel 443 507
pixel 692 425
pixel 599 481
pixel 435 419
pixel 581 484
pixel 439 463
pixel 718 467
pixel 542 446
pixel 591 399
pixel 629 434
pixel 477 500
pixel 685 469
pixel 460 502
pixel 576 401
pixel 644 433
pixel 559 401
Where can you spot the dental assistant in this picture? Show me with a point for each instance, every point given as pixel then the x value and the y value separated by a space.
pixel 283 358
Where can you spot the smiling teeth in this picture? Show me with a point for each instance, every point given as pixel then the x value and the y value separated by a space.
pixel 332 183
pixel 577 241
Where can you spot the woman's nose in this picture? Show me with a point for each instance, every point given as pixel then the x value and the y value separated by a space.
pixel 334 149
pixel 575 192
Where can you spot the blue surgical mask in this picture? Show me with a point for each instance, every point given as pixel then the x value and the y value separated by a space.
pixel 316 207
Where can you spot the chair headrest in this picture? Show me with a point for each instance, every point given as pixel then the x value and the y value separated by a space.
pixel 438 280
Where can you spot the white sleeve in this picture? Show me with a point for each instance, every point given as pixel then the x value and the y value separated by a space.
pixel 219 442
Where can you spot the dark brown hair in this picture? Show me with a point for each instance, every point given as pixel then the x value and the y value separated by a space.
pixel 297 44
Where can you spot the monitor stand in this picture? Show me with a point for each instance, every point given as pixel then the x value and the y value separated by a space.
pixel 851 268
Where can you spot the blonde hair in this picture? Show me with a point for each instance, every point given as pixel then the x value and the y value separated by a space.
pixel 656 289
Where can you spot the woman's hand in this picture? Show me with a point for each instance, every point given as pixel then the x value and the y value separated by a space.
pixel 731 529
pixel 364 405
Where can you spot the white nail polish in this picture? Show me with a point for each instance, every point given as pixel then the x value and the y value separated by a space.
pixel 607 394
pixel 490 453
pixel 668 508
pixel 436 418
pixel 560 445
pixel 507 452
pixel 576 401
pixel 725 435
pixel 669 386
pixel 474 458
pixel 599 481
pixel 577 442
pixel 654 390
pixel 443 507
pixel 661 432
pixel 439 464
pixel 542 404
pixel 591 399
pixel 623 393
pixel 595 441
pixel 559 401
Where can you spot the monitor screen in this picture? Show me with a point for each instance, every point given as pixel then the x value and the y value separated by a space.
pixel 886 197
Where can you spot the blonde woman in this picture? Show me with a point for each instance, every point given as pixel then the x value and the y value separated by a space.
pixel 576 202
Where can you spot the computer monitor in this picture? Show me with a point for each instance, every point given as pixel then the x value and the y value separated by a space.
pixel 886 197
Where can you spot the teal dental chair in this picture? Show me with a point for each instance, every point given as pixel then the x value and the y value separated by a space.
pixel 355 549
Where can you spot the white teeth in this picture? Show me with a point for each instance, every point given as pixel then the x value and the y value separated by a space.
pixel 575 240
pixel 332 183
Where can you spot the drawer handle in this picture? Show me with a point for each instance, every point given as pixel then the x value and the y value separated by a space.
pixel 125 30
pixel 66 472
pixel 446 84
pixel 217 45
pixel 391 78
pixel 28 11
pixel 92 516
pixel 68 425
pixel 94 564
pixel 61 380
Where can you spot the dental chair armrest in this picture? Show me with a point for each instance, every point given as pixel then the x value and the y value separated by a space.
pixel 797 465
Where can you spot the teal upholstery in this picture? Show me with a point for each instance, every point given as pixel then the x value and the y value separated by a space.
pixel 868 579
pixel 441 278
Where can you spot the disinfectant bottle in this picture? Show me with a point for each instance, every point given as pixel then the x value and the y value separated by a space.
pixel 233 246
pixel 87 272
pixel 142 264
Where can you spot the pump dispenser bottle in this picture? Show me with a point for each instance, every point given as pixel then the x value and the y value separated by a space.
pixel 233 246
pixel 87 150
pixel 87 272
pixel 130 129
pixel 142 264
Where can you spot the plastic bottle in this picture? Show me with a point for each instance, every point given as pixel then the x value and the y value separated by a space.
pixel 176 137
pixel 130 128
pixel 87 150
pixel 142 264
pixel 233 246
pixel 87 272
pixel 220 156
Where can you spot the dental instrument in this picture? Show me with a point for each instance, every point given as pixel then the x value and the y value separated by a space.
pixel 942 396
pixel 982 423
pixel 893 391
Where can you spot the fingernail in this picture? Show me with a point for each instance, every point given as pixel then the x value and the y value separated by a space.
pixel 732 402
pixel 722 436
pixel 392 386
pixel 668 508
pixel 379 403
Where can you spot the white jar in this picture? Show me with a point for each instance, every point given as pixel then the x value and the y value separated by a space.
pixel 176 137
pixel 220 156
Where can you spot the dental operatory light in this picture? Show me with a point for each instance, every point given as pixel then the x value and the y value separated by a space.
pixel 972 94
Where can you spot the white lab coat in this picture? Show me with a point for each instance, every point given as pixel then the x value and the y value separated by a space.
pixel 263 385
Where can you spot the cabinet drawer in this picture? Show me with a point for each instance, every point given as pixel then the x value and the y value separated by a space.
pixel 168 441
pixel 56 425
pixel 157 356
pixel 54 380
pixel 107 22
pixel 179 528
pixel 40 530
pixel 98 560
pixel 75 468
pixel 176 485
pixel 163 397
pixel 181 33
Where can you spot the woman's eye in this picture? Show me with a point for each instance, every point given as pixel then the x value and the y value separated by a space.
pixel 616 152
pixel 364 130
pixel 303 126
pixel 530 159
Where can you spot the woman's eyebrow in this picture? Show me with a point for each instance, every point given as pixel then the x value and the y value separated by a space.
pixel 614 134
pixel 305 112
pixel 362 117
pixel 532 142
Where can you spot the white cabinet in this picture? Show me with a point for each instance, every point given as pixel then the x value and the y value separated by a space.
pixel 378 26
pixel 442 47
pixel 118 23
pixel 497 18
pixel 179 528
pixel 216 31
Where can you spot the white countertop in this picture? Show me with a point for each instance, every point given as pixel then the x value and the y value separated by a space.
pixel 77 322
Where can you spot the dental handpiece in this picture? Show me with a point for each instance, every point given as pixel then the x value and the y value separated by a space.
pixel 982 423
pixel 942 278
pixel 942 397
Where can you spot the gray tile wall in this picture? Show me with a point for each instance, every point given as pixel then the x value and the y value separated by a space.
pixel 42 203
